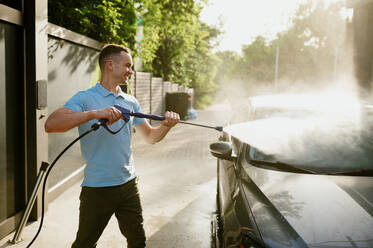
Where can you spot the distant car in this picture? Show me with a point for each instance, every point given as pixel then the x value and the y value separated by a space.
pixel 276 200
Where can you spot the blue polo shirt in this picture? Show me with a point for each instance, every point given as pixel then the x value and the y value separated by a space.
pixel 108 157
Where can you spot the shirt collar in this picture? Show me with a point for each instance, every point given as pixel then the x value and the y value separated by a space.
pixel 104 92
pixel 121 93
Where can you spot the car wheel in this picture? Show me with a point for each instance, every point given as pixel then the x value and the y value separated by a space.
pixel 217 224
pixel 214 232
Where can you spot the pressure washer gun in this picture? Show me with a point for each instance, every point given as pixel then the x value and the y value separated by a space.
pixel 127 114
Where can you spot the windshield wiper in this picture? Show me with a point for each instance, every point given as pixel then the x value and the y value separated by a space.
pixel 283 166
pixel 292 168
pixel 361 172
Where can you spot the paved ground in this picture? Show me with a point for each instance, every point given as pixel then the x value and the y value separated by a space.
pixel 177 185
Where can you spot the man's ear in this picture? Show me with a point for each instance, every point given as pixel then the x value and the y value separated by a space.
pixel 109 65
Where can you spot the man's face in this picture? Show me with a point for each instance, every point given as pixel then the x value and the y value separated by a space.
pixel 122 68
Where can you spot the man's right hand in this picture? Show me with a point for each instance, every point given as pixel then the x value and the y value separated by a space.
pixel 111 114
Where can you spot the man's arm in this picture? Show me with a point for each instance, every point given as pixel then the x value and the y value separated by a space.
pixel 64 119
pixel 153 135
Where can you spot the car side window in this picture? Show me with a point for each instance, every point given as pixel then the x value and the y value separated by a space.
pixel 252 153
pixel 248 153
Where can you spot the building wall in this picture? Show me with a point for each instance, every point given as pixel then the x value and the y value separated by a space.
pixel 71 68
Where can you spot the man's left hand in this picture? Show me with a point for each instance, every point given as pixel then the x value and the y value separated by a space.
pixel 172 119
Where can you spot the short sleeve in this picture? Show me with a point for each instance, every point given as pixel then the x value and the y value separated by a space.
pixel 137 108
pixel 75 103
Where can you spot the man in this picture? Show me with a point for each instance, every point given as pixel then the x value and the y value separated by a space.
pixel 110 185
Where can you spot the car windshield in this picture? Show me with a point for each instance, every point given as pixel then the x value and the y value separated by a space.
pixel 326 143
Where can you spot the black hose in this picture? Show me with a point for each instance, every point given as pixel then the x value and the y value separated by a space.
pixel 93 128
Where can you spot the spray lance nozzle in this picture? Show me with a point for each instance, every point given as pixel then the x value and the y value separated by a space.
pixel 127 114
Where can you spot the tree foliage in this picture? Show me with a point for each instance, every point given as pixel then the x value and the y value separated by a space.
pixel 108 21
pixel 176 45
pixel 184 47
pixel 308 50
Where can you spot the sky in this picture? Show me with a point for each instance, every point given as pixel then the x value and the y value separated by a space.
pixel 243 20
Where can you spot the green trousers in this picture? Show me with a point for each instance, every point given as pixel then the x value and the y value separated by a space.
pixel 97 205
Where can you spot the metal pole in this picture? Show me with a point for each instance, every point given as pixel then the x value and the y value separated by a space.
pixel 16 239
pixel 335 62
pixel 276 69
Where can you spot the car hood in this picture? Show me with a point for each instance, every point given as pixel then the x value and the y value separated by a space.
pixel 325 211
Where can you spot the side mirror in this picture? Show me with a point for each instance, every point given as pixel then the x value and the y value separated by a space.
pixel 222 150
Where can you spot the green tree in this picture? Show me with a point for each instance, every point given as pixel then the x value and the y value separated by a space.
pixel 108 21
pixel 228 62
pixel 150 12
pixel 310 46
pixel 176 44
pixel 185 43
pixel 308 49
pixel 258 61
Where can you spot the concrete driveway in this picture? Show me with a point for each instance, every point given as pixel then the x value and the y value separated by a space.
pixel 177 180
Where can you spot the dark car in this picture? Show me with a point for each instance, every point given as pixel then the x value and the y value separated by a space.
pixel 307 184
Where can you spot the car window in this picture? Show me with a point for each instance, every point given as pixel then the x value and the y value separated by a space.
pixel 255 154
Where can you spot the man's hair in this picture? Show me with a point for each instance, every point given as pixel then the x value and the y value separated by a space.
pixel 110 50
